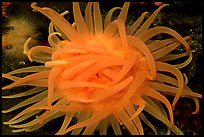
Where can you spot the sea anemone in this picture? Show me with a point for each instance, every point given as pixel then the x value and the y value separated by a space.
pixel 18 30
pixel 101 75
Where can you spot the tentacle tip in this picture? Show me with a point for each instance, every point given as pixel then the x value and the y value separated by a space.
pixel 4 97
pixel 4 88
pixel 189 38
pixel 24 52
pixel 25 46
pixel 5 123
pixel 4 111
pixel 33 4
pixel 121 123
pixel 195 112
pixel 31 60
pixel 165 5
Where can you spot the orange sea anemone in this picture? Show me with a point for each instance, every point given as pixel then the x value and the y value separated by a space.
pixel 101 74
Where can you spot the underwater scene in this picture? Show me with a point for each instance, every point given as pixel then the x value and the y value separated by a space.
pixel 108 68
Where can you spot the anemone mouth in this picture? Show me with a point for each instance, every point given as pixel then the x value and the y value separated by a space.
pixel 102 75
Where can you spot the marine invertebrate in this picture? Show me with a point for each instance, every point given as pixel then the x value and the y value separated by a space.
pixel 101 74
pixel 19 29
